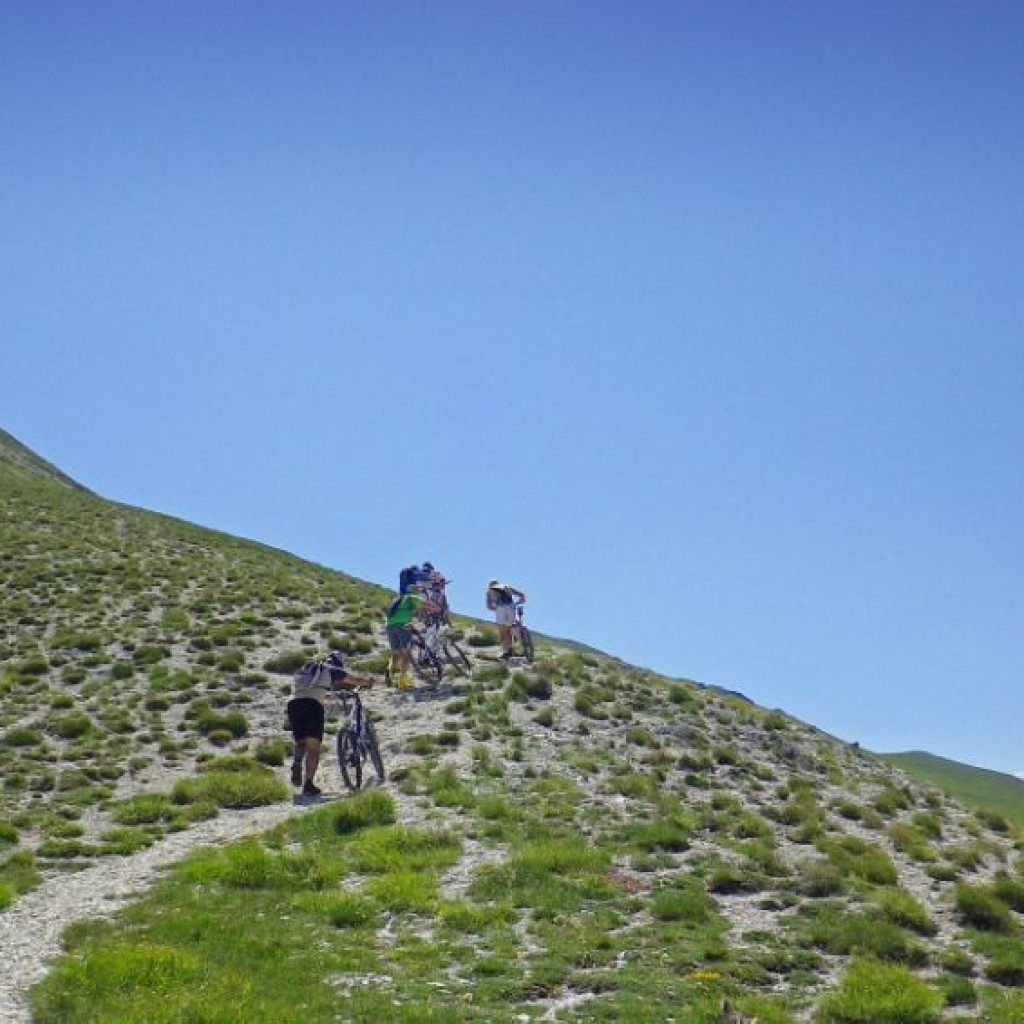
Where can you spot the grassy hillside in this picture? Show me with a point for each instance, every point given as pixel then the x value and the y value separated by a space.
pixel 977 787
pixel 18 457
pixel 573 840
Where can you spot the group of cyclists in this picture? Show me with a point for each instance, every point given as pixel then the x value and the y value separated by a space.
pixel 422 600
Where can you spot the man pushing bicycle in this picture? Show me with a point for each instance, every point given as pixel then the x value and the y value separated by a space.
pixel 314 684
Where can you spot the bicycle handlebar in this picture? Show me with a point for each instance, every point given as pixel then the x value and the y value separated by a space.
pixel 351 691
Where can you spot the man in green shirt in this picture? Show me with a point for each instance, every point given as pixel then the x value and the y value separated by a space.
pixel 401 612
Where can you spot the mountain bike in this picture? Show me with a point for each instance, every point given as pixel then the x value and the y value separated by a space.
pixel 454 654
pixel 425 660
pixel 439 641
pixel 356 741
pixel 521 635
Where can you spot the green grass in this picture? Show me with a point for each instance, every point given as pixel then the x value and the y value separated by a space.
pixel 877 993
pixel 616 818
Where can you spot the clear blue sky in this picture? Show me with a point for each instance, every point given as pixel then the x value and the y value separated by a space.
pixel 699 321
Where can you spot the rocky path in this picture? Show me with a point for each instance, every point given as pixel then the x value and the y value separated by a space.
pixel 30 929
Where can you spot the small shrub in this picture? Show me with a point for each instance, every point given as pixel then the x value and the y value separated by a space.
pixel 1007 968
pixel 23 736
pixel 231 661
pixel 872 992
pixel 979 907
pixel 144 809
pixel 232 783
pixel 673 904
pixel 272 752
pixel 641 737
pixel 957 990
pixel 363 811
pixel 636 786
pixel 537 687
pixel 34 665
pixel 288 662
pixel 485 636
pixel 859 859
pixel 665 834
pixel 995 820
pixel 423 744
pixel 349 910
pixel 891 800
pixel 956 961
pixel 150 654
pixel 69 727
pixel 1009 890
pixel 126 841
pixel 902 909
pixel 404 891
pixel 819 877
pixel 843 934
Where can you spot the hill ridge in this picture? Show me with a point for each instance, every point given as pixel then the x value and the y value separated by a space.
pixel 727 849
pixel 17 454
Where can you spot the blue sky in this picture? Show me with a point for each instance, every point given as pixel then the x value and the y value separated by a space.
pixel 701 322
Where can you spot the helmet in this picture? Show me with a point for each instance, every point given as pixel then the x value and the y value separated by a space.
pixel 336 659
pixel 429 566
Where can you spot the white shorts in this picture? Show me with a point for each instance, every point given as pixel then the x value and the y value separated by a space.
pixel 505 615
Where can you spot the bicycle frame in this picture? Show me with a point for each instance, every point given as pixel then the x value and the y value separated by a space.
pixel 356 741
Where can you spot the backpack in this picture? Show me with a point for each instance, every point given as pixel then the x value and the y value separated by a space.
pixel 307 676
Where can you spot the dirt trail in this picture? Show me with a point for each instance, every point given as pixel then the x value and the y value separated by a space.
pixel 30 929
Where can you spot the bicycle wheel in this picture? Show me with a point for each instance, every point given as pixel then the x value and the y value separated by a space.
pixel 526 639
pixel 370 743
pixel 350 759
pixel 425 662
pixel 456 657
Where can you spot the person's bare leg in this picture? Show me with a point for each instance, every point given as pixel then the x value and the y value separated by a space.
pixel 312 758
pixel 505 633
pixel 298 759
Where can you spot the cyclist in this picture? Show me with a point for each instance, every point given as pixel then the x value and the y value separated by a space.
pixel 433 586
pixel 417 577
pixel 408 578
pixel 400 614
pixel 306 711
pixel 502 599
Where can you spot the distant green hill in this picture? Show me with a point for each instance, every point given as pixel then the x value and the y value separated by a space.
pixel 976 787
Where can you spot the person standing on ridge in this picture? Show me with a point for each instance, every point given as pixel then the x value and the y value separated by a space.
pixel 314 685
pixel 502 599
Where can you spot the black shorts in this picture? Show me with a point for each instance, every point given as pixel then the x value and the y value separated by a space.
pixel 399 637
pixel 306 718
